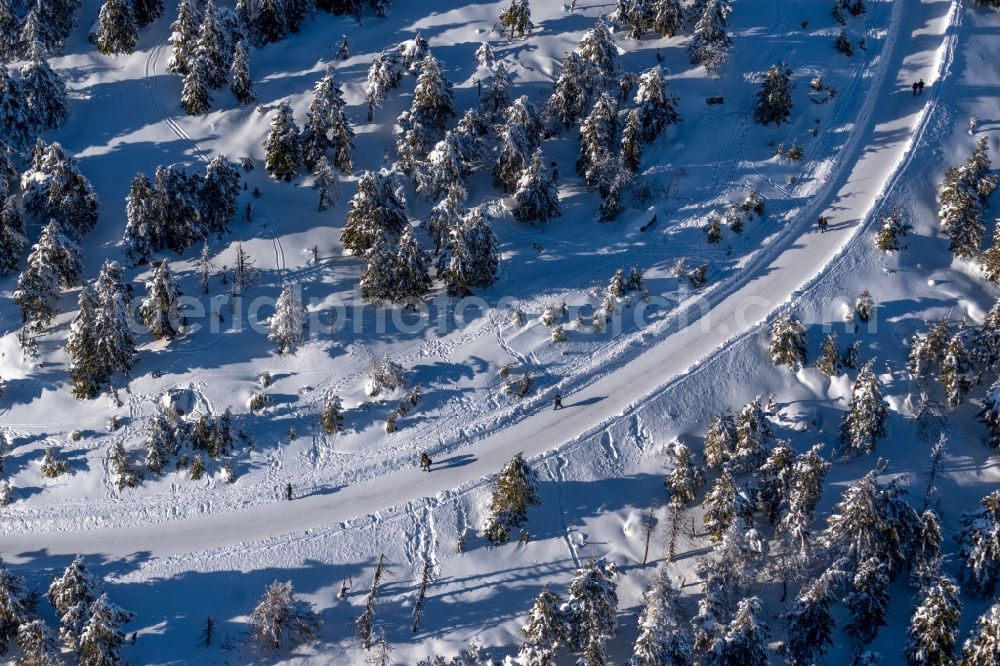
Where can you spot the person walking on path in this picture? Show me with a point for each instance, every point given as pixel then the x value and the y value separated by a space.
pixel 920 87
pixel 915 86
pixel 822 222
pixel 558 402
pixel 425 462
pixel 288 492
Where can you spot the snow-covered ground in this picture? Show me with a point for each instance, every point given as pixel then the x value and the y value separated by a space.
pixel 175 550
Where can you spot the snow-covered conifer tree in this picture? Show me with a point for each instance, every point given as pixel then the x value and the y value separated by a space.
pixel 240 81
pixel 864 306
pixel 195 97
pixel 710 40
pixel 723 503
pixel 208 48
pixel 327 127
pixel 280 618
pixel 282 147
pixel 774 99
pixel 287 320
pixel 112 327
pixel 668 17
pixel 720 440
pixel 514 490
pixel 591 611
pixel 536 198
pixel 811 622
pixel 872 520
pixel 753 434
pixel 380 278
pixel 17 606
pixel 496 97
pixel 829 359
pixel 44 92
pixel 746 638
pixel 117 31
pixel 545 632
pixel 184 37
pixel 473 255
pixel 597 137
pixel 72 595
pixel 516 17
pixel 56 190
pixel 661 641
pixel 86 368
pixel 484 55
pixel 54 263
pixel 16 123
pixel 869 600
pixel 982 647
pixel 218 194
pixel 412 268
pixel 160 310
pixel 933 632
pixel 102 636
pixel 686 479
pixel 631 145
pixel 867 412
pixel 657 106
pixel 788 342
pixel 808 474
pixel 324 182
pixel 962 196
pixel 571 95
pixel 955 368
pixel 332 418
pixel 375 211
pixel 12 236
pixel 776 482
pixel 980 547
pixel 927 351
pixel 37 646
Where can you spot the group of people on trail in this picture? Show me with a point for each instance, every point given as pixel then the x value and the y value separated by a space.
pixel 918 87
pixel 822 222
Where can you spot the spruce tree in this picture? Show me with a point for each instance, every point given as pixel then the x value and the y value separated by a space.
pixel 720 440
pixel 240 81
pixel 829 359
pixel 44 92
pixel 980 548
pixel 113 330
pixel 657 106
pixel 54 263
pixel 869 601
pixel 287 321
pixel 12 236
pixel 955 369
pixel 776 482
pixel 160 310
pixel 811 622
pixel 516 17
pixel 208 48
pixel 17 607
pixel 872 520
pixel 686 479
pixel 753 435
pixel 710 40
pixel 117 31
pixel 87 368
pixel 184 37
pixel 572 92
pixel 380 277
pixel 722 505
pixel 16 122
pixel 591 611
pixel 412 268
pixel 668 17
pixel 864 306
pixel 375 211
pixel 513 159
pixel 864 421
pixel 962 195
pixel 788 342
pixel 472 258
pixel 56 191
pixel 545 632
pixel 72 595
pixel 661 641
pixel 327 127
pixel 37 646
pixel 774 99
pixel 746 638
pixel 808 473
pixel 102 636
pixel 332 418
pixel 217 195
pixel 195 97
pixel 324 182
pixel 536 198
pixel 496 97
pixel 982 647
pixel 933 632
pixel 631 145
pixel 514 490
pixel 282 147
pixel 597 137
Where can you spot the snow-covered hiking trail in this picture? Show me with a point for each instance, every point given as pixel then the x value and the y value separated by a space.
pixel 919 44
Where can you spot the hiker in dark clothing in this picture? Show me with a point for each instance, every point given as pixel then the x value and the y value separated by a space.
pixel 558 402
pixel 915 86
pixel 288 492
pixel 822 222
pixel 425 462
pixel 920 87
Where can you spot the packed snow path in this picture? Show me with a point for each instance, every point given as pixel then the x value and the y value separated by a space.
pixel 920 44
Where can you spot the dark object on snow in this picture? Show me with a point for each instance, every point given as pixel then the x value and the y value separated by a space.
pixel 822 222
pixel 425 462
pixel 920 87
pixel 649 224
pixel 288 491
pixel 558 402
pixel 711 101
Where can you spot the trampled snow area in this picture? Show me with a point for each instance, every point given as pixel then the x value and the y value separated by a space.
pixel 175 550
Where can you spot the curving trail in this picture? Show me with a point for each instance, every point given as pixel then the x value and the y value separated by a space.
pixel 889 125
